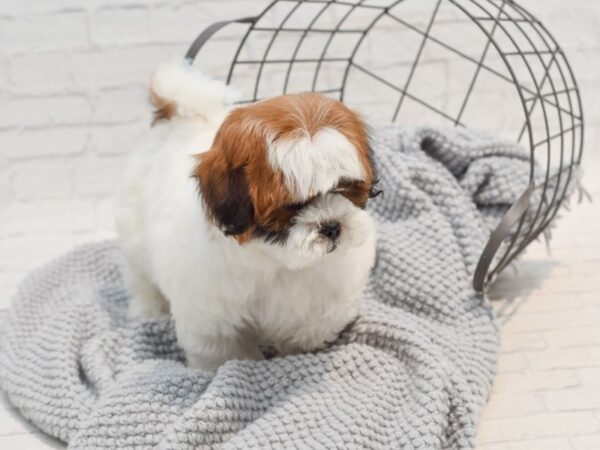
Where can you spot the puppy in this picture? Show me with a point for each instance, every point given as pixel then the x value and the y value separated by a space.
pixel 247 224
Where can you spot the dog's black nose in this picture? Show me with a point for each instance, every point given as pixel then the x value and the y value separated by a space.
pixel 331 230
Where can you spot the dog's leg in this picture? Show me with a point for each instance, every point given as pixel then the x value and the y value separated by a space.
pixel 145 299
pixel 208 352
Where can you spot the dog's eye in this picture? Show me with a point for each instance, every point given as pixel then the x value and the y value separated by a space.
pixel 295 207
pixel 374 192
pixel 355 191
pixel 344 187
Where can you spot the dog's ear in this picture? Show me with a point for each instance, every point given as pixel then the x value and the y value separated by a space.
pixel 224 191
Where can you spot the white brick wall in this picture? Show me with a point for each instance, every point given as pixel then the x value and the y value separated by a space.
pixel 73 97
pixel 73 77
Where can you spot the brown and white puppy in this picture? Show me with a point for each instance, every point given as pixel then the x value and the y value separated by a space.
pixel 248 224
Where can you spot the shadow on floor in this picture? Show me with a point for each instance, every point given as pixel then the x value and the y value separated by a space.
pixel 513 287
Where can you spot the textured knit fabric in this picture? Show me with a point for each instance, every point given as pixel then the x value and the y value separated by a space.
pixel 413 372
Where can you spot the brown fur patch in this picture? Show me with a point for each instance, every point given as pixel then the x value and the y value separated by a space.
pixel 164 109
pixel 240 146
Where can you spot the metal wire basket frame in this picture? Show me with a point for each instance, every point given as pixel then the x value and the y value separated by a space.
pixel 532 62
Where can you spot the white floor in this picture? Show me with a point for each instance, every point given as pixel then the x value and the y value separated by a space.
pixel 547 392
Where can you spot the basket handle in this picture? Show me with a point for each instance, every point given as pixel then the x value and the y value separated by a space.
pixel 501 232
pixel 208 32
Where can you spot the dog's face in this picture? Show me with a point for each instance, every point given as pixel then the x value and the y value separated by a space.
pixel 290 176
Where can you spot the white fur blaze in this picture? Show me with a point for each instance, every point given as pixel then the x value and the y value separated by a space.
pixel 312 166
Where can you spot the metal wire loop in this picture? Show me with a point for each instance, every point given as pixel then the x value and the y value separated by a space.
pixel 517 52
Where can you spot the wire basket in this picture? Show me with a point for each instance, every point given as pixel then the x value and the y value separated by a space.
pixel 392 60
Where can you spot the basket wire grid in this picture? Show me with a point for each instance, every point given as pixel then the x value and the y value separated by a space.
pixel 481 52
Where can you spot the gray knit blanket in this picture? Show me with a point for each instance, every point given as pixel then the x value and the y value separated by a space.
pixel 413 372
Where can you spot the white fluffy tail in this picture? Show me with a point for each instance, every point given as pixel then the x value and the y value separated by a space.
pixel 179 89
